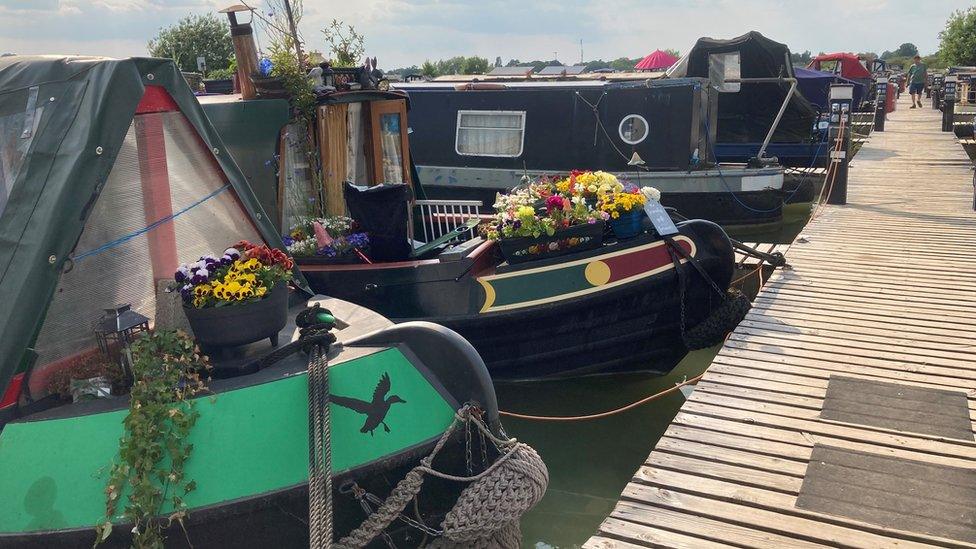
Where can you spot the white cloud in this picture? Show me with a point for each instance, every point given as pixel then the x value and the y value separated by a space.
pixel 404 32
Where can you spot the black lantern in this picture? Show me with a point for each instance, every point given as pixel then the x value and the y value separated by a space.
pixel 116 329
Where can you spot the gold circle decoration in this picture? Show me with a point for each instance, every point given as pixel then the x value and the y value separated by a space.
pixel 597 273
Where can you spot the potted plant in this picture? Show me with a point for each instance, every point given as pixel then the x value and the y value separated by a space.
pixel 238 298
pixel 626 208
pixel 331 239
pixel 92 378
pixel 539 221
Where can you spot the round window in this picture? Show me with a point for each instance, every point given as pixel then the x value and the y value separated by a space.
pixel 633 129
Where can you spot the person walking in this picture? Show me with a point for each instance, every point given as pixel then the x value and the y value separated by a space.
pixel 916 81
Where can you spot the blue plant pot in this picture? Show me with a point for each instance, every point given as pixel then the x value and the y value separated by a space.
pixel 628 225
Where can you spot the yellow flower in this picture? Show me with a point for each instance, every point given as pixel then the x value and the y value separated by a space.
pixel 202 290
pixel 525 211
pixel 260 291
pixel 198 302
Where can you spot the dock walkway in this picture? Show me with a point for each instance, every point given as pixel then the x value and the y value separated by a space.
pixel 839 412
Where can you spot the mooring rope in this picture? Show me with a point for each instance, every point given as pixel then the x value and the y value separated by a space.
pixel 608 413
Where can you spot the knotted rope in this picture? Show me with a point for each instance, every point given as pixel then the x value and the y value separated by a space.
pixel 486 513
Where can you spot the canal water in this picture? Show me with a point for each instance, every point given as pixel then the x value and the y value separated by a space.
pixel 590 462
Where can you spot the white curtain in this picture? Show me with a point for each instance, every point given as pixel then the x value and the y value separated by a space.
pixel 490 134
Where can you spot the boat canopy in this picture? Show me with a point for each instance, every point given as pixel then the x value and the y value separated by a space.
pixel 815 86
pixel 746 111
pixel 849 63
pixel 110 174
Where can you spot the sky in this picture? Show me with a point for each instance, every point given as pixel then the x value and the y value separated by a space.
pixel 406 32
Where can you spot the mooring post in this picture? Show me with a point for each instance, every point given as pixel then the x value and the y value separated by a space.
pixel 948 102
pixel 839 139
pixel 880 103
pixel 937 81
pixel 929 79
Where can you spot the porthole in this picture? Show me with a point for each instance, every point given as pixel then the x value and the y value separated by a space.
pixel 633 129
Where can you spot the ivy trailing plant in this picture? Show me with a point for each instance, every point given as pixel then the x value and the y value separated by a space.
pixel 153 451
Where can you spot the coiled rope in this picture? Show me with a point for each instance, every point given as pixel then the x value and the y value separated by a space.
pixel 488 510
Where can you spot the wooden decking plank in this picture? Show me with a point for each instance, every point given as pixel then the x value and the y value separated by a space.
pixel 882 290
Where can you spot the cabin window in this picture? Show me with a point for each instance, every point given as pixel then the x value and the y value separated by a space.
pixel 490 133
pixel 723 67
pixel 633 129
pixel 18 124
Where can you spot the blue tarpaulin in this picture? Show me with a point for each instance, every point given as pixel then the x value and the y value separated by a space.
pixel 815 86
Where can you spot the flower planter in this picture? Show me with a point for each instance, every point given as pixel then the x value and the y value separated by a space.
pixel 234 325
pixel 574 239
pixel 90 389
pixel 628 225
pixel 270 87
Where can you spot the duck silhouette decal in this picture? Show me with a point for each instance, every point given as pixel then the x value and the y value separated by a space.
pixel 374 411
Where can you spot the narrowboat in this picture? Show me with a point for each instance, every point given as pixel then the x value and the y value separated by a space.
pixel 616 308
pixel 112 174
pixel 472 139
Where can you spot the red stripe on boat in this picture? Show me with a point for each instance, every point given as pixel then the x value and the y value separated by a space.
pixel 638 262
pixel 157 199
pixel 12 393
pixel 156 99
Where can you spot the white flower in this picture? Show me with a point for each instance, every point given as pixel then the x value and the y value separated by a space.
pixel 232 252
pixel 651 193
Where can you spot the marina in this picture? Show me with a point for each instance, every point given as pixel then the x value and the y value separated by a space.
pixel 263 290
pixel 800 403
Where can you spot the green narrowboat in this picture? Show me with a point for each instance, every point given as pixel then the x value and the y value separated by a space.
pixel 110 174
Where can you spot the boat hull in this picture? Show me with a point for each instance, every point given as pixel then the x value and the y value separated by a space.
pixel 606 311
pixel 251 448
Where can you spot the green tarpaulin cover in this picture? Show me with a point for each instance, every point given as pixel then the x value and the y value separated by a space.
pixel 69 116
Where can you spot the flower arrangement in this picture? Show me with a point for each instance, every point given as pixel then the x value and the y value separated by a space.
pixel 331 237
pixel 539 209
pixel 626 199
pixel 244 273
pixel 589 184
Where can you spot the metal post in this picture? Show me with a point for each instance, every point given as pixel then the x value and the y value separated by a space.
pixel 937 82
pixel 948 102
pixel 880 103
pixel 841 98
pixel 928 85
pixel 294 35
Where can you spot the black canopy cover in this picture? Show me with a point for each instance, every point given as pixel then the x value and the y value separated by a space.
pixel 745 116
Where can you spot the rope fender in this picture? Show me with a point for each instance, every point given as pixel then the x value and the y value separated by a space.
pixel 487 512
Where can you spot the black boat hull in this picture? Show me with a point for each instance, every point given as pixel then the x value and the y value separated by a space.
pixel 629 327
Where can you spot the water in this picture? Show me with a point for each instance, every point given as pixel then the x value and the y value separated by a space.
pixel 590 462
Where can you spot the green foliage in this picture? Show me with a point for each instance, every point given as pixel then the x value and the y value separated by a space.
pixel 624 63
pixel 957 42
pixel 224 73
pixel 474 65
pixel 154 450
pixel 429 69
pixel 347 45
pixel 906 50
pixel 193 36
pixel 285 66
pixel 801 58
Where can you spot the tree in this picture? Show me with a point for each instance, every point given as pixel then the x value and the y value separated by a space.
pixel 429 69
pixel 347 45
pixel 474 65
pixel 957 42
pixel 191 37
pixel 673 52
pixel 801 58
pixel 906 50
pixel 498 61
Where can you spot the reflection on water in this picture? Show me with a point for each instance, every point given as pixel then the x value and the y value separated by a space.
pixel 590 462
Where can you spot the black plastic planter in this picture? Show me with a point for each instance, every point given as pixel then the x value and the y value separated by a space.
pixel 574 239
pixel 234 325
